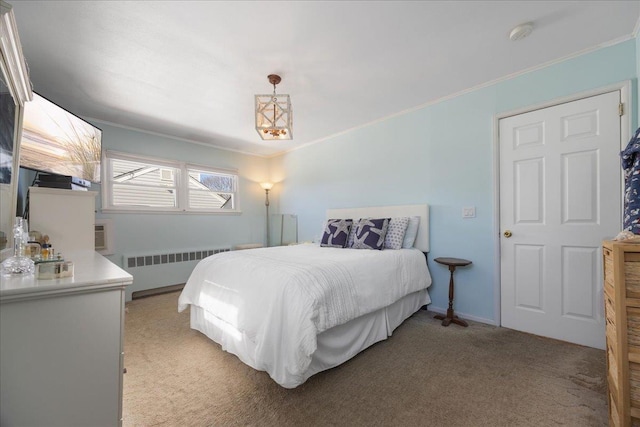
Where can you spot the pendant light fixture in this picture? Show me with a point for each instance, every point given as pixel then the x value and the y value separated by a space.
pixel 274 118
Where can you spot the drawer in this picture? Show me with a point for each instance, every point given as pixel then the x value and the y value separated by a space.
pixel 634 385
pixel 612 369
pixel 632 275
pixel 613 412
pixel 608 270
pixel 633 328
pixel 609 310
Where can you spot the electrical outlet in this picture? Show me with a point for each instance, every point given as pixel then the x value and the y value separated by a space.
pixel 469 212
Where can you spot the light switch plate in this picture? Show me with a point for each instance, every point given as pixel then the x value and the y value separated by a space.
pixel 469 212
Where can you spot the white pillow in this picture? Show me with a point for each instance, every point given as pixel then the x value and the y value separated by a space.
pixel 411 233
pixel 395 233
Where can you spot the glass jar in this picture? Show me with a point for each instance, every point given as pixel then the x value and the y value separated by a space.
pixel 18 264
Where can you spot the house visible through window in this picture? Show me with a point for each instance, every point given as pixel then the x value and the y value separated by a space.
pixel 136 183
pixel 139 183
pixel 210 190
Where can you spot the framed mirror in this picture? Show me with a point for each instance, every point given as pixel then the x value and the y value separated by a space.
pixel 15 90
pixel 284 230
pixel 8 167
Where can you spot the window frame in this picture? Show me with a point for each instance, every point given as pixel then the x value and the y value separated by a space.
pixel 181 185
pixel 200 169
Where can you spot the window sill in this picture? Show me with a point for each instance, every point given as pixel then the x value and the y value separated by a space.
pixel 175 212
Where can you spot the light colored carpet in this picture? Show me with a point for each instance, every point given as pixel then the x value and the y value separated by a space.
pixel 424 375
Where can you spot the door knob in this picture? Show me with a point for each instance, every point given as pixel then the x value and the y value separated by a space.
pixel 508 234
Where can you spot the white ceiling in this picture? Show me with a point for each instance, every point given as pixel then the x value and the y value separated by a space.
pixel 190 69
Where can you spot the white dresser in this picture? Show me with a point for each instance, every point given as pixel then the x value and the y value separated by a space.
pixel 61 346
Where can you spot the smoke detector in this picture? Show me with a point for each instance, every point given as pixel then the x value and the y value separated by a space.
pixel 521 31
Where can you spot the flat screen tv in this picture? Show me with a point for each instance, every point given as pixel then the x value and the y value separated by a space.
pixel 59 142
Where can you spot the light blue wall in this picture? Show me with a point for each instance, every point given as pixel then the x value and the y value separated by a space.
pixel 443 155
pixel 139 233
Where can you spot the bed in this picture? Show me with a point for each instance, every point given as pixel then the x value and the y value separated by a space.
pixel 294 311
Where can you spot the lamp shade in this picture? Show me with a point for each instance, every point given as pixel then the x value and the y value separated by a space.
pixel 266 185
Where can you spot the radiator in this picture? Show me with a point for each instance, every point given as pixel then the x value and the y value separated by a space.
pixel 146 260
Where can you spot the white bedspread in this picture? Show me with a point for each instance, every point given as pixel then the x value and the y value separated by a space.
pixel 282 297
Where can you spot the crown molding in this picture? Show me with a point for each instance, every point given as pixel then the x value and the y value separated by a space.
pixel 468 90
pixel 175 138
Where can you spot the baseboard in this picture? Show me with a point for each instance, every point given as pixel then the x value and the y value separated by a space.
pixel 463 316
pixel 157 291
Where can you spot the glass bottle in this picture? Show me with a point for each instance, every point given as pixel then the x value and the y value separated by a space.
pixel 18 264
pixel 45 251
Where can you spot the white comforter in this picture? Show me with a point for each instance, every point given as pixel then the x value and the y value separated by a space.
pixel 281 298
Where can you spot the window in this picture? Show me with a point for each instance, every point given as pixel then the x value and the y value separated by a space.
pixel 211 190
pixel 135 183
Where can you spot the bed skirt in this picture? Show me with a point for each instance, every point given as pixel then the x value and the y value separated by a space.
pixel 334 346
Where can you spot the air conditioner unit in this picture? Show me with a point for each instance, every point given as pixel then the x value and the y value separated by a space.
pixel 101 240
pixel 104 236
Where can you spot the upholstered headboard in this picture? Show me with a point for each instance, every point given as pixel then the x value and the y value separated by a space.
pixel 422 240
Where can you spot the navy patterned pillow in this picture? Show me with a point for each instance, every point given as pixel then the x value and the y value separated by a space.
pixel 336 233
pixel 370 233
pixel 352 233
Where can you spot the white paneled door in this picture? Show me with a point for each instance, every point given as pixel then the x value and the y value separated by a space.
pixel 560 196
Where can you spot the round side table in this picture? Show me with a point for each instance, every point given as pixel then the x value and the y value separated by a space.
pixel 452 263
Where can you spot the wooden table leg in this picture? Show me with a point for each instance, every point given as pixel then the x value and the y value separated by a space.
pixel 451 317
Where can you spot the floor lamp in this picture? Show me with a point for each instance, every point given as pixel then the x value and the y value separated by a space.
pixel 266 186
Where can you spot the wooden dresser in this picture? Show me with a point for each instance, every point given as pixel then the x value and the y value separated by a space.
pixel 622 311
